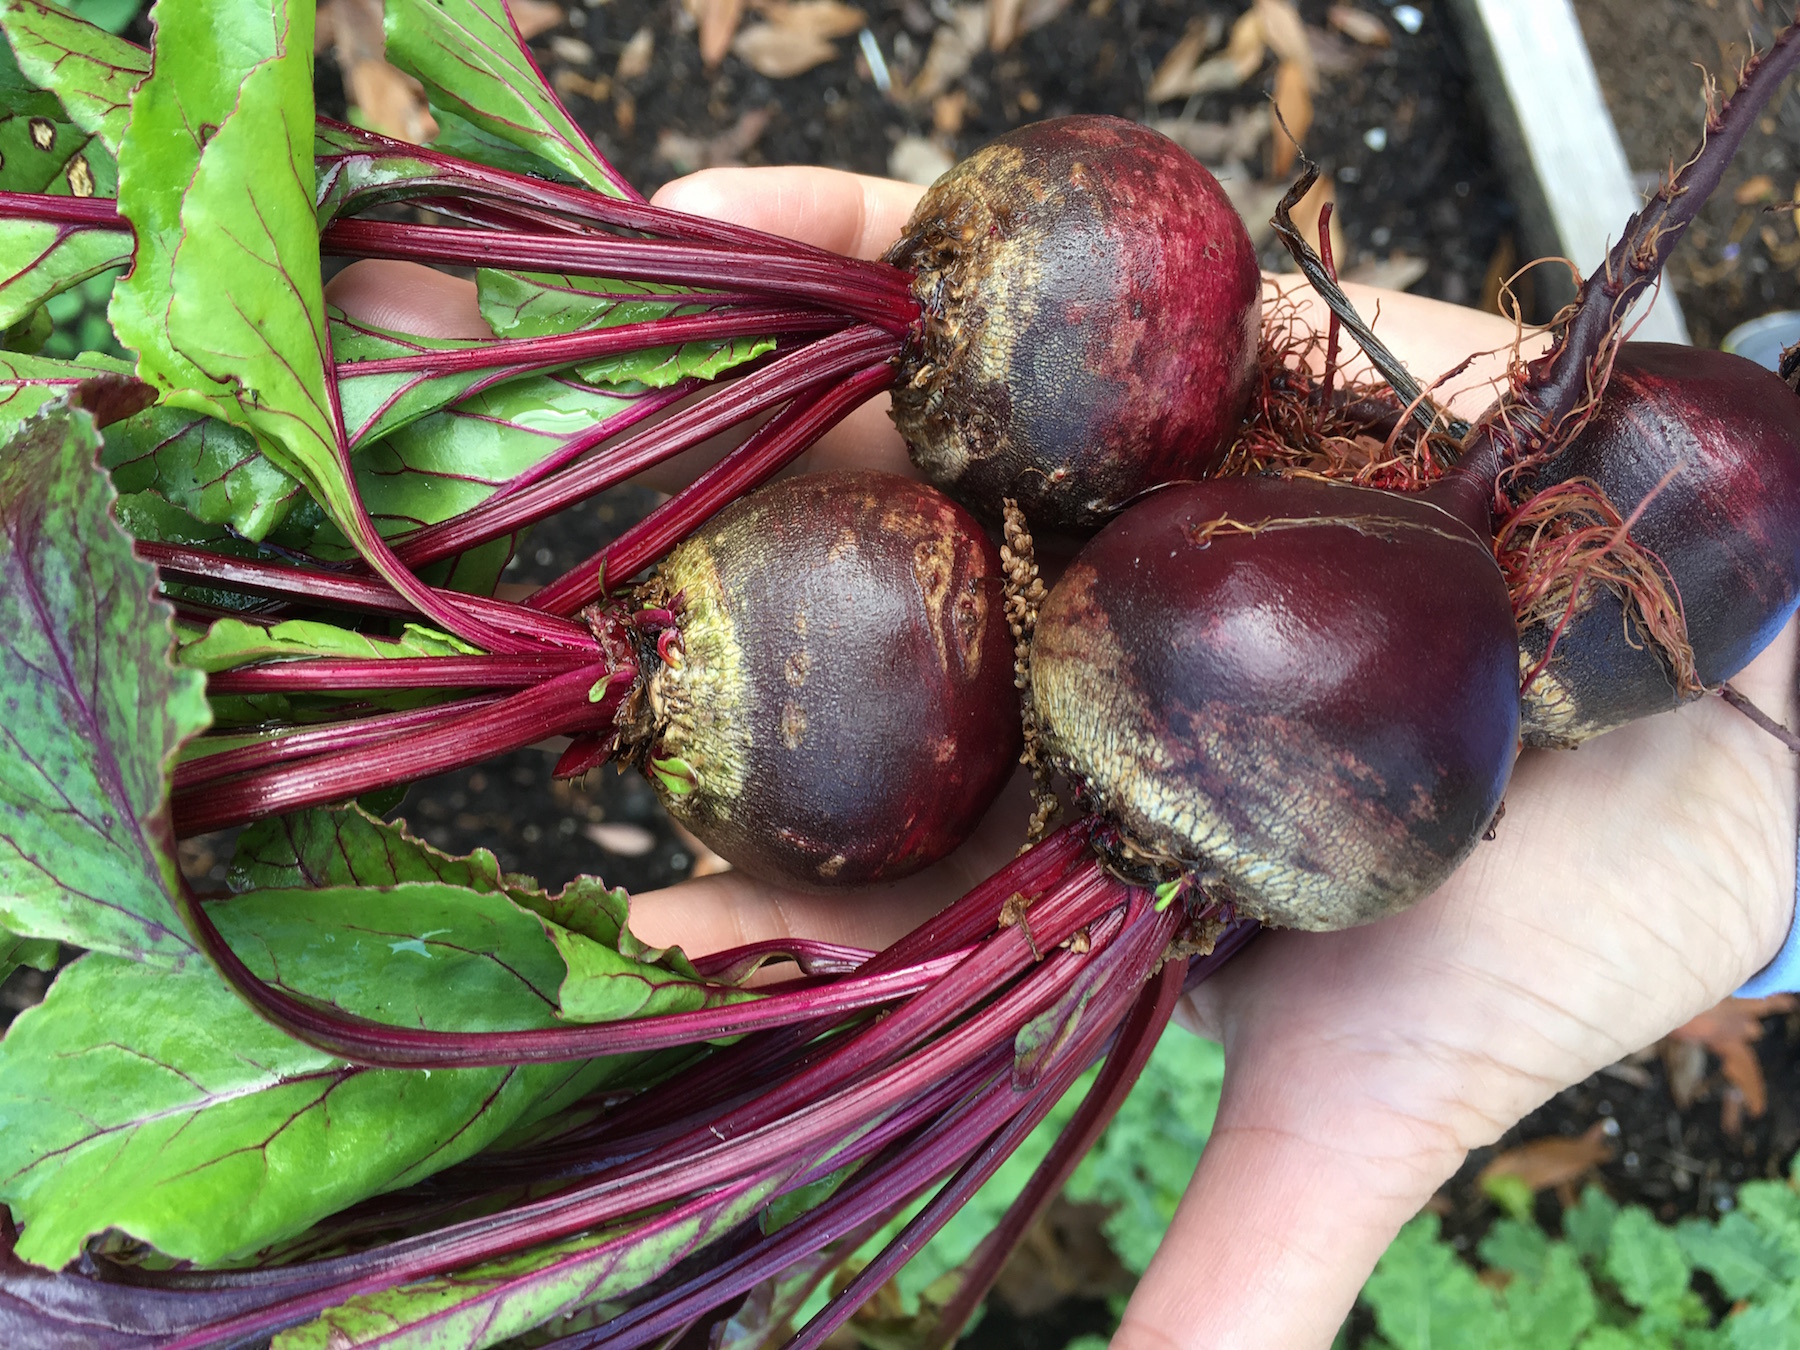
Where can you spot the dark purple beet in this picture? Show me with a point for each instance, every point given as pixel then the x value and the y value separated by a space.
pixel 1726 527
pixel 844 709
pixel 1306 692
pixel 1092 303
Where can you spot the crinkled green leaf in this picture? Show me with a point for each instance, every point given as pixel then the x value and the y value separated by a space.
pixel 539 304
pixel 660 367
pixel 349 847
pixel 1425 1299
pixel 233 642
pixel 378 404
pixel 1141 1165
pixel 474 65
pixel 27 382
pixel 1551 1307
pixel 16 951
pixel 161 1105
pixel 40 259
pixel 1645 1260
pixel 489 1303
pixel 91 72
pixel 352 176
pixel 91 709
pixel 210 469
pixel 224 306
pixel 1774 1206
pixel 610 974
pixel 1588 1226
pixel 1739 1254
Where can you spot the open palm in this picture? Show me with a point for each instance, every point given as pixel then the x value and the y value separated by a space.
pixel 1631 885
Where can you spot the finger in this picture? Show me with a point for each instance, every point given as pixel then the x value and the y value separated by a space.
pixel 1281 1224
pixel 848 213
pixel 408 298
pixel 730 909
pixel 1430 337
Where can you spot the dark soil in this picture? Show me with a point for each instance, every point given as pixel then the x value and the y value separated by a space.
pixel 1739 260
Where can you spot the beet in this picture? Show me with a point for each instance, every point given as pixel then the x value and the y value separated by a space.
pixel 841 709
pixel 1091 312
pixel 1725 529
pixel 1305 693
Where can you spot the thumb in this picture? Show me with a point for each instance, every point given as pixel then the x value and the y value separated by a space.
pixel 1302 1185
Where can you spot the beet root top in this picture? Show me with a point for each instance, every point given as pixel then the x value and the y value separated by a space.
pixel 842 710
pixel 1304 694
pixel 1703 449
pixel 1092 303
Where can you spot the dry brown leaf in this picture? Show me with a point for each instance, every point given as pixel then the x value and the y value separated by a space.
pixel 796 37
pixel 1285 34
pixel 781 53
pixel 1218 143
pixel 1178 67
pixel 1293 105
pixel 1729 1031
pixel 919 161
pixel 1396 272
pixel 625 111
pixel 1003 23
pixel 1034 14
pixel 1684 1067
pixel 719 20
pixel 620 837
pixel 1542 1163
pixel 356 32
pixel 566 82
pixel 825 18
pixel 953 50
pixel 1242 58
pixel 1306 219
pixel 532 17
pixel 324 26
pixel 1359 25
pixel 571 51
pixel 391 102
pixel 1752 190
pixel 686 153
pixel 949 112
pixel 1255 201
pixel 636 55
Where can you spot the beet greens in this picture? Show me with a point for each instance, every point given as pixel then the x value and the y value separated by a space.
pixel 376 1095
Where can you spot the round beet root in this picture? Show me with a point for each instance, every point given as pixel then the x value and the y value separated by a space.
pixel 1725 526
pixel 1092 303
pixel 1305 693
pixel 841 708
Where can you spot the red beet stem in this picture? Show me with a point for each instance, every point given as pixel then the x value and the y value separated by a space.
pixel 764 454
pixel 1130 1051
pixel 723 407
pixel 681 264
pixel 322 674
pixel 520 356
pixel 355 734
pixel 182 563
pixel 556 706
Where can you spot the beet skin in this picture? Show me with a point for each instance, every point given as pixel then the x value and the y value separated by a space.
pixel 1092 303
pixel 843 711
pixel 1726 526
pixel 1305 693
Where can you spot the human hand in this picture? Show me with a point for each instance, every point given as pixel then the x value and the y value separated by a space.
pixel 1633 884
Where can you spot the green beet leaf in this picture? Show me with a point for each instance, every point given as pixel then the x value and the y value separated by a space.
pixel 28 383
pixel 91 72
pixel 375 405
pixel 161 1105
pixel 211 470
pixel 40 259
pixel 229 643
pixel 353 174
pixel 609 975
pixel 224 306
pixel 16 951
pixel 475 66
pixel 539 304
pixel 489 1303
pixel 93 709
